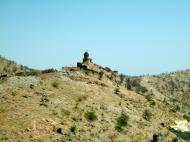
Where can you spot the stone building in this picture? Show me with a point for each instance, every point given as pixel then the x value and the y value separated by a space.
pixel 86 59
pixel 87 62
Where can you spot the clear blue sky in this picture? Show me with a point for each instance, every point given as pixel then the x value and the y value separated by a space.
pixel 132 36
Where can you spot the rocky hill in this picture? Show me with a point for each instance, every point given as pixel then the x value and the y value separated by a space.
pixel 9 67
pixel 90 103
pixel 173 87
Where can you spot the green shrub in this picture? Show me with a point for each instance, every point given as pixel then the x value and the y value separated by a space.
pixel 175 107
pixel 122 121
pixel 81 98
pixel 149 98
pixel 101 74
pixel 73 129
pixel 152 103
pixel 44 100
pixel 13 93
pixel 55 84
pixel 174 140
pixel 111 77
pixel 187 117
pixel 147 115
pixel 133 83
pixel 34 72
pixel 90 116
pixel 4 138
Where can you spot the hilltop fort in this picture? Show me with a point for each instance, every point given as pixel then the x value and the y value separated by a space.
pixel 87 64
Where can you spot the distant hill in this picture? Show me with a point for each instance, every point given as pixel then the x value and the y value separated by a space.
pixel 90 103
pixel 174 88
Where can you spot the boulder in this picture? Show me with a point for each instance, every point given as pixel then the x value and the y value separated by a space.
pixel 182 129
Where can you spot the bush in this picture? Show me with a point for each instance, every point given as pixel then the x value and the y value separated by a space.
pixel 34 72
pixel 174 140
pixel 101 74
pixel 55 84
pixel 152 103
pixel 147 115
pixel 117 91
pixel 133 83
pixel 111 77
pixel 44 100
pixel 90 116
pixel 122 121
pixel 149 98
pixel 73 129
pixel 187 117
pixel 176 107
pixel 81 98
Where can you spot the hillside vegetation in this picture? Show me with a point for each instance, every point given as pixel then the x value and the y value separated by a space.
pixel 85 106
pixel 174 88
pixel 10 67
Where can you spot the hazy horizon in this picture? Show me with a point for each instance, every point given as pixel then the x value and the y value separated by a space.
pixel 134 37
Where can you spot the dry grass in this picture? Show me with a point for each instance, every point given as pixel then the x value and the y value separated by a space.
pixel 25 119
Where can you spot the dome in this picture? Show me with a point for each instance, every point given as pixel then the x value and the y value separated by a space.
pixel 86 54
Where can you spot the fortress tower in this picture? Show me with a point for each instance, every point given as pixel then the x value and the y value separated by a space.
pixel 86 59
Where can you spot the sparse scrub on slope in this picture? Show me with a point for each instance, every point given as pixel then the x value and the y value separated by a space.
pixel 73 129
pixel 122 121
pixel 187 117
pixel 133 83
pixel 147 115
pixel 44 100
pixel 55 84
pixel 90 116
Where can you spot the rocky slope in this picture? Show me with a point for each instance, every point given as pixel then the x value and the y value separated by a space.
pixel 173 87
pixel 83 106
pixel 9 67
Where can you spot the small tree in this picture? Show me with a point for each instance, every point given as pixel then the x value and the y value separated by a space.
pixel 122 121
